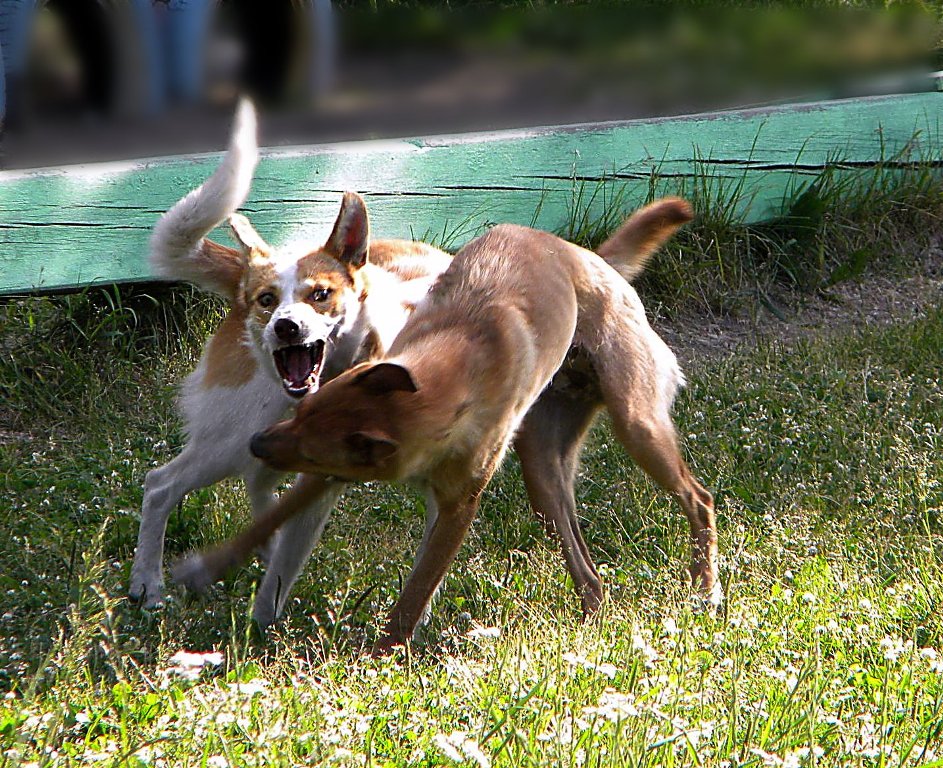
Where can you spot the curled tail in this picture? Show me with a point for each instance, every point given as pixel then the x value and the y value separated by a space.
pixel 179 249
pixel 643 233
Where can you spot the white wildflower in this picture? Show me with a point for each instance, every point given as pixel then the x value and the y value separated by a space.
pixel 189 665
pixel 671 627
pixel 484 632
pixel 797 757
pixel 613 706
pixel 649 654
pixel 457 746
pixel 575 660
pixel 768 758
pixel 250 688
pixel 893 647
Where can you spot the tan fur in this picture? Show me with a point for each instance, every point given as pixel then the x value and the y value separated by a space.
pixel 221 267
pixel 277 299
pixel 229 360
pixel 320 270
pixel 644 232
pixel 260 278
pixel 407 259
pixel 524 333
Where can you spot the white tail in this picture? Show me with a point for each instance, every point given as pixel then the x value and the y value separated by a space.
pixel 178 247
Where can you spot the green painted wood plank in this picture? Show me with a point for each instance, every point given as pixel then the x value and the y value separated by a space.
pixel 76 226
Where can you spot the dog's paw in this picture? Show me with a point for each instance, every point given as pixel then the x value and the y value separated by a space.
pixel 192 573
pixel 263 613
pixel 146 593
pixel 710 602
pixel 386 646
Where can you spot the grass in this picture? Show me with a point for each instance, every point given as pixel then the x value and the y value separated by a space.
pixel 826 462
pixel 834 227
pixel 824 456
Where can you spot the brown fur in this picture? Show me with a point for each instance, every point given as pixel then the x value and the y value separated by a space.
pixel 644 232
pixel 473 361
pixel 321 270
pixel 228 360
pixel 222 268
pixel 407 259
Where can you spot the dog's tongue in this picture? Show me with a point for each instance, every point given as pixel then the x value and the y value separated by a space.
pixel 297 362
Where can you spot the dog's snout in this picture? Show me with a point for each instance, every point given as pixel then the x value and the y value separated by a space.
pixel 287 330
pixel 259 446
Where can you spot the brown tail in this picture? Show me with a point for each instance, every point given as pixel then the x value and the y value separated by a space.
pixel 643 233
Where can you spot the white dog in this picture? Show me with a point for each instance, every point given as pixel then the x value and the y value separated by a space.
pixel 297 316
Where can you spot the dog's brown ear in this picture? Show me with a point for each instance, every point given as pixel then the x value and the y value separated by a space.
pixel 371 450
pixel 381 378
pixel 350 238
pixel 251 241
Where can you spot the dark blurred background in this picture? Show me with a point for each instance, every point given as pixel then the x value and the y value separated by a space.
pixel 91 80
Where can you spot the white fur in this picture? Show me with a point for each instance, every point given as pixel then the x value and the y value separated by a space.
pixel 668 373
pixel 220 421
pixel 179 233
pixel 314 325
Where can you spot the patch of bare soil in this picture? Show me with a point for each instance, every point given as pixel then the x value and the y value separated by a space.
pixel 875 299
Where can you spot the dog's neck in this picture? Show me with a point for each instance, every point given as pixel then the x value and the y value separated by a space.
pixel 460 406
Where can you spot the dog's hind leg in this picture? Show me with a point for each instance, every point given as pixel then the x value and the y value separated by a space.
pixel 548 445
pixel 642 424
pixel 164 488
pixel 292 547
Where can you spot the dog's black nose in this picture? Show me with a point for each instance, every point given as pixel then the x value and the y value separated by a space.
pixel 286 330
pixel 258 447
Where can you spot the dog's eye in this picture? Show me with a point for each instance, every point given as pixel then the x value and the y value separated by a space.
pixel 321 294
pixel 266 299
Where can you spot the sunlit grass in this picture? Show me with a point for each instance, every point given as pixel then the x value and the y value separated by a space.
pixel 825 458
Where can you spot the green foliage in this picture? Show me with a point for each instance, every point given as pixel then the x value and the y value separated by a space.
pixel 833 227
pixel 825 458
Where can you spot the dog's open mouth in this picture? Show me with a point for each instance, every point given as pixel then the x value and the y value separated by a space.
pixel 300 367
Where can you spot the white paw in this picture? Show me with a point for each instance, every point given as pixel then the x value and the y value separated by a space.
pixel 263 612
pixel 708 602
pixel 148 592
pixel 191 572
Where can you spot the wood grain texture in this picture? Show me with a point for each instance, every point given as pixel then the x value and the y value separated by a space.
pixel 68 227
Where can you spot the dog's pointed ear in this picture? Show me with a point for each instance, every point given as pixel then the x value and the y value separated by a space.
pixel 381 378
pixel 371 450
pixel 251 242
pixel 350 238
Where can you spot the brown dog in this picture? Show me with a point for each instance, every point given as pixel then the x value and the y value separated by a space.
pixel 524 337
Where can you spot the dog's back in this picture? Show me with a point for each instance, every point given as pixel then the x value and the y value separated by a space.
pixel 408 259
pixel 506 305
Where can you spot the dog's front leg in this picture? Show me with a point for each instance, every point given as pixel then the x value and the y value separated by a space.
pixel 436 554
pixel 199 570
